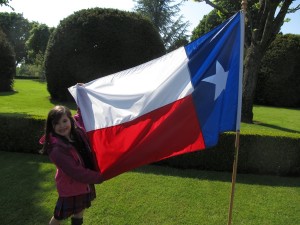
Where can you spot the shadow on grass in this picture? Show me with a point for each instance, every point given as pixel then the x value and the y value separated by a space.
pixel 276 127
pixel 8 93
pixel 25 193
pixel 17 115
pixel 268 180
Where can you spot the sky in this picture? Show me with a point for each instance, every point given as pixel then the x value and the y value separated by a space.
pixel 51 12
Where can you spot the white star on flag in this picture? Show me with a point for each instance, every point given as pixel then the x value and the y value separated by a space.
pixel 219 79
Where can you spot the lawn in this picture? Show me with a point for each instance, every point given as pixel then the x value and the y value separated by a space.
pixel 150 195
pixel 274 121
pixel 30 97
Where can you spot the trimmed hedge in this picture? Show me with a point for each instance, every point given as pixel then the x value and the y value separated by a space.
pixel 257 154
pixel 20 133
pixel 27 77
pixel 93 43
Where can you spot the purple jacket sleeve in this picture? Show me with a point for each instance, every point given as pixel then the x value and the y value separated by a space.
pixel 78 119
pixel 66 162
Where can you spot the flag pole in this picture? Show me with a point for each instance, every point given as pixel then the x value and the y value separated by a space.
pixel 237 137
pixel 234 172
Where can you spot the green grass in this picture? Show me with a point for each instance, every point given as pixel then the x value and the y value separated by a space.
pixel 32 98
pixel 274 121
pixel 150 195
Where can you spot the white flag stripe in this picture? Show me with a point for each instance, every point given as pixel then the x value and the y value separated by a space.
pixel 124 96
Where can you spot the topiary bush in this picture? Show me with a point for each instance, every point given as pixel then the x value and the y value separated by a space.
pixel 279 77
pixel 7 64
pixel 93 43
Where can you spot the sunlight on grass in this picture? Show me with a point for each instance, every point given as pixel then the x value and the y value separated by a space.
pixel 274 122
pixel 30 97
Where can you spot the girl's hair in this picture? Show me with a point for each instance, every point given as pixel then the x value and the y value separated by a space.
pixel 54 116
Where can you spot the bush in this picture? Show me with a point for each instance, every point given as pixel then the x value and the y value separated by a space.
pixel 29 71
pixel 96 42
pixel 279 77
pixel 21 133
pixel 7 64
pixel 257 154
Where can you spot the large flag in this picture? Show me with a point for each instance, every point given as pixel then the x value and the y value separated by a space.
pixel 172 105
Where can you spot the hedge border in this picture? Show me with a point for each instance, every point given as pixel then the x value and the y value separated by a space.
pixel 257 154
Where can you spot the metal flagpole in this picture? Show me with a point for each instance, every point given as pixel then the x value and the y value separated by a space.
pixel 237 137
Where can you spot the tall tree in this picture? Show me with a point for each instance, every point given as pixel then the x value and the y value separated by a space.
pixel 5 3
pixel 208 22
pixel 164 14
pixel 16 28
pixel 37 42
pixel 264 19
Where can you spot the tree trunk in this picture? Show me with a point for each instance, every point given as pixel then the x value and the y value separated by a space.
pixel 252 62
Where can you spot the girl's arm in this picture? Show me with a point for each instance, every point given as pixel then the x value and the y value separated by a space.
pixel 66 162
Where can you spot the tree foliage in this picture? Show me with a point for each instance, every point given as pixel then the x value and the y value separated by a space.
pixel 37 42
pixel 7 64
pixel 279 75
pixel 92 43
pixel 178 43
pixel 164 14
pixel 264 19
pixel 208 22
pixel 16 28
pixel 5 3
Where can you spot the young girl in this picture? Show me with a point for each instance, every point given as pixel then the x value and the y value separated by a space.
pixel 69 149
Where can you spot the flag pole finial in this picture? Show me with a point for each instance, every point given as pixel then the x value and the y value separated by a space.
pixel 244 5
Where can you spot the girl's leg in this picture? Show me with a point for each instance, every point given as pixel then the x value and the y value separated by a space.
pixel 78 215
pixel 77 218
pixel 54 221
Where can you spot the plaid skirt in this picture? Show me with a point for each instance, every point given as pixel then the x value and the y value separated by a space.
pixel 68 206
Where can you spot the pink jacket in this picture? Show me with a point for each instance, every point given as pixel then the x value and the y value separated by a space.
pixel 72 178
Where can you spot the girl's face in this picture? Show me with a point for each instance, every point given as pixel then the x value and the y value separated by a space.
pixel 63 127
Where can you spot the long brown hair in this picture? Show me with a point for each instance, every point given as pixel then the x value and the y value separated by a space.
pixel 54 116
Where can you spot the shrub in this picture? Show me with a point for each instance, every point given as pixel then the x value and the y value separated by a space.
pixel 7 64
pixel 257 155
pixel 279 77
pixel 30 71
pixel 92 43
pixel 276 155
pixel 21 133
